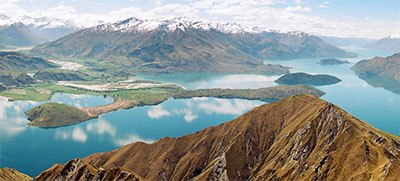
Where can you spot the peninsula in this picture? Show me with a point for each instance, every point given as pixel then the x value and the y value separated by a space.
pixel 56 115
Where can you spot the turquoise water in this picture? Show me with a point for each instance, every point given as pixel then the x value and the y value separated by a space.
pixel 377 106
pixel 32 150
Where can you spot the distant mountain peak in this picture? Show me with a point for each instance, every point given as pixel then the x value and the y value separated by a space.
pixel 393 37
pixel 138 25
pixel 172 24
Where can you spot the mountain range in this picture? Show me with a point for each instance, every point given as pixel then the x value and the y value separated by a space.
pixel 299 138
pixel 347 41
pixel 388 43
pixel 31 31
pixel 18 35
pixel 183 45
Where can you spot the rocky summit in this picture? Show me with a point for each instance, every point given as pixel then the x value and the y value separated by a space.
pixel 299 138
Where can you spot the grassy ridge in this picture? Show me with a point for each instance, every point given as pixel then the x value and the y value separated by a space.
pixel 22 62
pixel 13 78
pixel 60 75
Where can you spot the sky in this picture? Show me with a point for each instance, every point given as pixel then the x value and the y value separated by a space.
pixel 341 18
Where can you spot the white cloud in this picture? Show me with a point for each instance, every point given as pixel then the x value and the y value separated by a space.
pixel 226 106
pixel 248 81
pixel 189 116
pixel 157 112
pixel 199 98
pixel 130 139
pixel 158 2
pixel 323 5
pixel 298 8
pixel 11 126
pixel 298 2
pixel 79 135
pixel 61 135
pixel 101 127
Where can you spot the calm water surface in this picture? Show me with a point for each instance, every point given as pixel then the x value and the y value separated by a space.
pixel 32 150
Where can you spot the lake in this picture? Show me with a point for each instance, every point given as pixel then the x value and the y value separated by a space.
pixel 32 150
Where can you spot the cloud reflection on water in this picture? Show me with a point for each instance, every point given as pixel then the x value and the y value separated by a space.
pixel 12 125
pixel 226 106
pixel 156 112
pixel 130 138
pixel 101 127
pixel 97 128
pixel 240 81
pixel 77 134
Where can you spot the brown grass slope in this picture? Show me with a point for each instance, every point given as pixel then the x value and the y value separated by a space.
pixel 298 138
pixel 79 170
pixel 12 174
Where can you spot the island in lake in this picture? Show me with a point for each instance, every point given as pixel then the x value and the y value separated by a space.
pixel 381 72
pixel 332 61
pixel 56 115
pixel 301 78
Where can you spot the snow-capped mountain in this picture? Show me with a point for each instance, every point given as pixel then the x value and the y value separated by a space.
pixel 173 24
pixel 42 28
pixel 181 44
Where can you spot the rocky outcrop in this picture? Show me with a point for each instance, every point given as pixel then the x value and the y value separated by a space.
pixel 298 138
pixel 79 170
